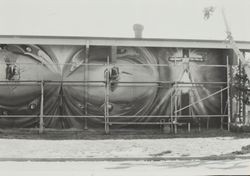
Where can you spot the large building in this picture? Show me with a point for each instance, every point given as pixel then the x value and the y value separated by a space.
pixel 87 82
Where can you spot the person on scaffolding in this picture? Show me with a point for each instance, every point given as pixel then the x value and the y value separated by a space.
pixel 114 76
pixel 11 71
pixel 185 61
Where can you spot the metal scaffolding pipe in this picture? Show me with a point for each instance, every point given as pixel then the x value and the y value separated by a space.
pixel 106 103
pixel 145 123
pixel 202 99
pixel 113 64
pixel 101 82
pixel 113 116
pixel 16 116
pixel 228 95
pixel 86 75
pixel 41 109
pixel 221 109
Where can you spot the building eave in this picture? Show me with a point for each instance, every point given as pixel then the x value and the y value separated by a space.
pixel 111 41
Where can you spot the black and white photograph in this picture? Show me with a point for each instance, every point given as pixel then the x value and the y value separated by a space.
pixel 124 87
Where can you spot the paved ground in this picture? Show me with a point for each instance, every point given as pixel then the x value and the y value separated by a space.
pixel 163 154
pixel 145 168
pixel 120 148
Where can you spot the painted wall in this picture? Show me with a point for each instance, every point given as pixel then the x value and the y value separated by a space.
pixel 57 63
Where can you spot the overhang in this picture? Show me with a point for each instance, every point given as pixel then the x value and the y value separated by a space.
pixel 108 41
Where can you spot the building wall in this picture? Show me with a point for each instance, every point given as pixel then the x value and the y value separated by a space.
pixel 150 81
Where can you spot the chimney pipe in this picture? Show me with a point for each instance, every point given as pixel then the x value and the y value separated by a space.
pixel 138 28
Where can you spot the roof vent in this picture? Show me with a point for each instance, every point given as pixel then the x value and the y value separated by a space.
pixel 138 28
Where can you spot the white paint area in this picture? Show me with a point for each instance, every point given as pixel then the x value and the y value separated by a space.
pixel 179 147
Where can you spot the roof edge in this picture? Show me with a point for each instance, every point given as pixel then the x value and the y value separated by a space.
pixel 118 41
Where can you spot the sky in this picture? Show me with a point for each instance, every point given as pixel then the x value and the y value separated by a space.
pixel 174 19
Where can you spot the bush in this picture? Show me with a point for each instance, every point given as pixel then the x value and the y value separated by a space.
pixel 240 128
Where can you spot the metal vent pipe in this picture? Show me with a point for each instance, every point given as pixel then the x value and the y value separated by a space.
pixel 138 28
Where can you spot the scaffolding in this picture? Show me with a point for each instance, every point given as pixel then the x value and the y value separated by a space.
pixel 106 83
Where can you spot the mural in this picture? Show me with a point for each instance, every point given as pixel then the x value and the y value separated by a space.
pixel 143 81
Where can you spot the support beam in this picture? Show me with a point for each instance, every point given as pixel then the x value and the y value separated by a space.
pixel 221 109
pixel 202 99
pixel 117 64
pixel 189 127
pixel 41 123
pixel 171 110
pixel 228 95
pixel 113 54
pixel 208 120
pixel 110 116
pixel 106 103
pixel 86 71
pixel 199 123
pixel 175 129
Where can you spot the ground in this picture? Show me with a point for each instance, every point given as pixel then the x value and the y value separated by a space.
pixel 120 148
pixel 85 153
pixel 137 168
